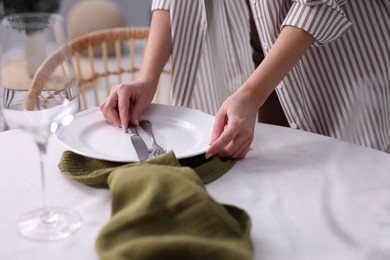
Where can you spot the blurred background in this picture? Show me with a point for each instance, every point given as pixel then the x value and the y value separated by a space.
pixel 83 16
pixel 137 12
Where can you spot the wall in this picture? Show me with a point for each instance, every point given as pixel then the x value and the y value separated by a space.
pixel 137 11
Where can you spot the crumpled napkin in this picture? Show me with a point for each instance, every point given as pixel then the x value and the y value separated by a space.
pixel 161 209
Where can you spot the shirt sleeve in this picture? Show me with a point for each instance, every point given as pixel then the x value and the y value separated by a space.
pixel 161 5
pixel 325 20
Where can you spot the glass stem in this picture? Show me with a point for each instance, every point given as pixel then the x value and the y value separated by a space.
pixel 48 217
pixel 42 147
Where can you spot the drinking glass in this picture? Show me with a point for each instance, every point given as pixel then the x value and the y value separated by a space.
pixel 39 100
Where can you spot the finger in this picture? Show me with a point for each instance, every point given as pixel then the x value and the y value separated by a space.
pixel 123 109
pixel 241 151
pixel 104 111
pixel 223 140
pixel 233 149
pixel 218 128
pixel 102 105
pixel 136 112
pixel 244 153
pixel 238 147
pixel 110 108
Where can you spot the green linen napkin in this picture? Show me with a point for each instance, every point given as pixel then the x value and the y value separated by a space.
pixel 92 171
pixel 161 209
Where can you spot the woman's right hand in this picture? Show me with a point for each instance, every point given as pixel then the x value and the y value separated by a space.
pixel 127 101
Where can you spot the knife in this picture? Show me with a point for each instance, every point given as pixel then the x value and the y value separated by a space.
pixel 138 143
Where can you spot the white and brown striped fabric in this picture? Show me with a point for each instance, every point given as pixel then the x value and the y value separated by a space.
pixel 211 55
pixel 341 87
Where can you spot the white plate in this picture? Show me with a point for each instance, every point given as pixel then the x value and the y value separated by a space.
pixel 183 130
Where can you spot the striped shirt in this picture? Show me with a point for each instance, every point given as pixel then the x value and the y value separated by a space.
pixel 340 87
pixel 211 54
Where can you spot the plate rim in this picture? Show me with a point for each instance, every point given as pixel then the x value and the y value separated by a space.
pixel 147 111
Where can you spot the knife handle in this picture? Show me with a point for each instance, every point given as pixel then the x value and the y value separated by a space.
pixel 133 130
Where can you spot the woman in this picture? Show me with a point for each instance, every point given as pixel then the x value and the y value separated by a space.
pixel 329 61
pixel 211 58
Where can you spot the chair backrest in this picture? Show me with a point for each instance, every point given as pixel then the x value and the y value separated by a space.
pixel 50 80
pixel 106 58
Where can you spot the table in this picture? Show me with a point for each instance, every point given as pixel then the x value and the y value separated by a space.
pixel 278 184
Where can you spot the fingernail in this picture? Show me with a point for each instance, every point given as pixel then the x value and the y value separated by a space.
pixel 207 156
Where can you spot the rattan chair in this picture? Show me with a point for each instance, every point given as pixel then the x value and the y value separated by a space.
pixel 103 59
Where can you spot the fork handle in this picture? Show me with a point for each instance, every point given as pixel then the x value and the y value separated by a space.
pixel 147 126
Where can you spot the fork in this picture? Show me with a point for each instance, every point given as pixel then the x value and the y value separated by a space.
pixel 154 149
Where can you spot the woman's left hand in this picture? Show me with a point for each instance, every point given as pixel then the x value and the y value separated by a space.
pixel 233 127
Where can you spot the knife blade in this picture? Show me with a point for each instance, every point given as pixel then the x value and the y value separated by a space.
pixel 138 143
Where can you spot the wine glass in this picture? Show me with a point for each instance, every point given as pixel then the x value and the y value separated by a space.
pixel 39 100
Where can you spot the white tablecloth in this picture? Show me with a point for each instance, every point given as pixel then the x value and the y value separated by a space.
pixel 279 184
